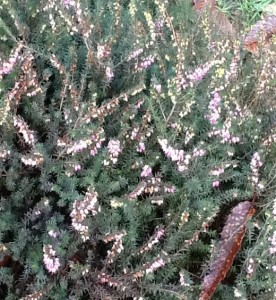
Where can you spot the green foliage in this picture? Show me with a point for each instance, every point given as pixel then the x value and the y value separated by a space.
pixel 128 130
pixel 249 10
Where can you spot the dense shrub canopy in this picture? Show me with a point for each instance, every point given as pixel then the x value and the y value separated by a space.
pixel 129 130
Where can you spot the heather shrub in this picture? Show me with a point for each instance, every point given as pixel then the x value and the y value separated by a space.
pixel 128 132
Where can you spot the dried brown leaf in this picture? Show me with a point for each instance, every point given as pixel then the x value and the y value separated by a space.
pixel 262 31
pixel 202 4
pixel 227 248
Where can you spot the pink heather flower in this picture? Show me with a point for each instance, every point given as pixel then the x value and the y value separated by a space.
pixel 159 233
pixel 135 54
pixel 97 143
pixel 146 63
pixel 181 168
pixel 103 51
pixel 23 128
pixel 7 67
pixel 215 184
pixel 274 268
pixel 68 3
pixel 158 24
pixel 217 172
pixel 153 240
pixel 169 189
pixel 250 267
pixel 147 171
pixel 51 262
pixel 173 125
pixel 228 138
pixel 176 155
pixel 198 152
pixel 213 105
pixel 157 88
pixel 81 208
pixel 155 265
pixel 141 147
pixel 78 146
pixel 114 149
pixel 134 133
pixel 182 279
pixel 214 109
pixel 225 134
pixel 93 152
pixel 139 104
pixel 4 152
pixel 214 118
pixel 197 75
pixel 109 73
pixel 170 152
pixel 255 164
pixel 235 139
pixel 77 168
pixel 53 233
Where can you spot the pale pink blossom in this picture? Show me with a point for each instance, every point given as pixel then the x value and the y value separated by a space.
pixel 147 171
pixel 215 184
pixel 182 279
pixel 68 3
pixel 135 53
pixel 176 155
pixel 109 73
pixel 191 78
pixel 77 168
pixel 81 208
pixel 198 152
pixel 169 189
pixel 114 149
pixel 53 233
pixel 141 147
pixel 158 88
pixel 255 164
pixel 217 171
pixel 214 110
pixel 50 260
pixel 158 263
pixel 23 128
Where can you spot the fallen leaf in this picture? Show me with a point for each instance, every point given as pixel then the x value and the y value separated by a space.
pixel 227 248
pixel 260 33
pixel 202 4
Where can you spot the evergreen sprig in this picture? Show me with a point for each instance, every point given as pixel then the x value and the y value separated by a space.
pixel 128 131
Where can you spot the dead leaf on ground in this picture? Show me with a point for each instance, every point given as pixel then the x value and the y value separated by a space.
pixel 229 245
pixel 201 4
pixel 260 34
